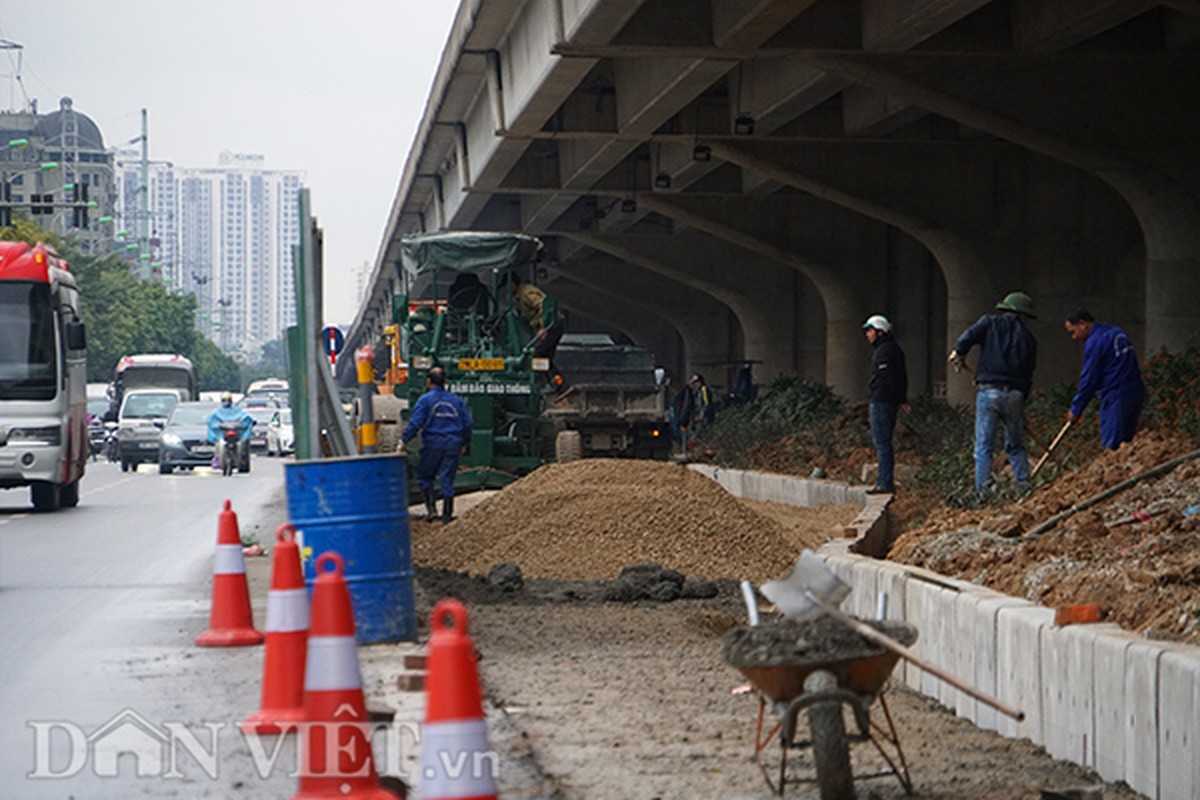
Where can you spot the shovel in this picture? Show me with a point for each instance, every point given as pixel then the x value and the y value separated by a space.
pixel 812 589
pixel 1066 426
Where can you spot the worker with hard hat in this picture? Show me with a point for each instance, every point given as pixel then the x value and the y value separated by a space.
pixel 1003 380
pixel 887 392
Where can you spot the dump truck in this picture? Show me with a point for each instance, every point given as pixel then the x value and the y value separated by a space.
pixel 612 406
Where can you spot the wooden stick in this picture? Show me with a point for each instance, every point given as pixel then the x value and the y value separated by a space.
pixel 1066 426
pixel 867 632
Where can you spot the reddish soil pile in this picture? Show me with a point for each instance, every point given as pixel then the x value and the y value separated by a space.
pixel 1136 553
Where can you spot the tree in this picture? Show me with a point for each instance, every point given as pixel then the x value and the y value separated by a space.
pixel 125 315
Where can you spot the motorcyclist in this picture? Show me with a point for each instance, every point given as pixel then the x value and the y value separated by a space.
pixel 228 412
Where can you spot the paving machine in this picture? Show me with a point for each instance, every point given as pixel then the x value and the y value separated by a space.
pixel 450 315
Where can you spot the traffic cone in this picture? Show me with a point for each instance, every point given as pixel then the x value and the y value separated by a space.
pixel 231 622
pixel 455 759
pixel 287 641
pixel 335 751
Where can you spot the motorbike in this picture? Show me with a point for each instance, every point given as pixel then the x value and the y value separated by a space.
pixel 231 435
pixel 111 446
pixel 96 434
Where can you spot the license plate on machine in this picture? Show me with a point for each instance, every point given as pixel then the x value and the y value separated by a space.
pixel 203 450
pixel 481 364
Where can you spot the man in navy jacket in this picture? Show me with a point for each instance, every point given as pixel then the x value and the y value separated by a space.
pixel 1003 377
pixel 887 392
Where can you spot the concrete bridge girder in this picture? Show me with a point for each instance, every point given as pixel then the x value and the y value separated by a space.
pixel 759 291
pixel 648 93
pixel 1166 209
pixel 992 199
pixel 704 324
pixel 649 330
pixel 843 314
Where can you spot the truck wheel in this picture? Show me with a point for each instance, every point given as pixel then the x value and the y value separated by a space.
pixel 568 447
pixel 46 496
pixel 164 469
pixel 68 496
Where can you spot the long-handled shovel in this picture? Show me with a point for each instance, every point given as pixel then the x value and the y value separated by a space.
pixel 1066 426
pixel 812 589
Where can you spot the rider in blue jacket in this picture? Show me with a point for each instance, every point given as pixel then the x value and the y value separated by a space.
pixel 228 412
pixel 1111 372
pixel 445 424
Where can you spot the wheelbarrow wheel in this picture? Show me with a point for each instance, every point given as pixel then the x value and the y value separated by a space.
pixel 831 750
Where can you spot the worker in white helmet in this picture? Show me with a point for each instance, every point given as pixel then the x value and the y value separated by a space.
pixel 887 391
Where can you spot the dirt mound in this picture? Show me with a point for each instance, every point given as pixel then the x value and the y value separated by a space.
pixel 587 519
pixel 1136 553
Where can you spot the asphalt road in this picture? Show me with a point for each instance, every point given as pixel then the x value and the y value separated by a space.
pixel 99 607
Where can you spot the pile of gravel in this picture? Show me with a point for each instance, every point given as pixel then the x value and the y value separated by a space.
pixel 587 520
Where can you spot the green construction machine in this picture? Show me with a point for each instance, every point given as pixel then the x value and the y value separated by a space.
pixel 451 315
pixel 456 312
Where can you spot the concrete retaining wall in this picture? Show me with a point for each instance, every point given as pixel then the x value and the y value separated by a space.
pixel 1095 695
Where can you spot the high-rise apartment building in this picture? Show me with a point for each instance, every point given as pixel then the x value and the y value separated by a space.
pixel 224 234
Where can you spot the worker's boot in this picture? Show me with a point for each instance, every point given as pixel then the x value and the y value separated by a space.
pixel 447 510
pixel 430 506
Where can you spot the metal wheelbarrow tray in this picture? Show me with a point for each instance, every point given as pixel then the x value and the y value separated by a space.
pixel 841 667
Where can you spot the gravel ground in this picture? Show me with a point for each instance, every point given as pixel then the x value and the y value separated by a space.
pixel 597 697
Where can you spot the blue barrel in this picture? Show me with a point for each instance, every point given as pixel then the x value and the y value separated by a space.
pixel 358 507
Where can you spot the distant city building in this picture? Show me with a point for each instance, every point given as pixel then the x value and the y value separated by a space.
pixel 224 234
pixel 55 170
pixel 362 278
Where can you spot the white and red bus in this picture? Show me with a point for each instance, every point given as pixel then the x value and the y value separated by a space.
pixel 43 376
pixel 155 371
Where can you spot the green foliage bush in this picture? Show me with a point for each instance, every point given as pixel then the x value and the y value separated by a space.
pixel 125 315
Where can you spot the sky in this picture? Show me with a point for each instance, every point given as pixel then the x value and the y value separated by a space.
pixel 332 88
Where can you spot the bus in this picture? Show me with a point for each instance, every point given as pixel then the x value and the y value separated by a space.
pixel 155 371
pixel 43 376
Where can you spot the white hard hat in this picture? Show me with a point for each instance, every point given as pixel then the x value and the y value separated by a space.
pixel 879 322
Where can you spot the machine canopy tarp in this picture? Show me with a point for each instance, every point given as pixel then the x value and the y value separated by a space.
pixel 463 251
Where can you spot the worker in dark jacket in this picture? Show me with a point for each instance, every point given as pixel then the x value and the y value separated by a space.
pixel 1110 371
pixel 887 392
pixel 1004 378
pixel 445 424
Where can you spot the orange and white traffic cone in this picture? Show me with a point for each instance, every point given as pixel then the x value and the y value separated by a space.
pixel 455 759
pixel 335 751
pixel 287 642
pixel 231 622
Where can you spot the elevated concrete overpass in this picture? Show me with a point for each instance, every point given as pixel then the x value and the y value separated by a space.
pixel 727 180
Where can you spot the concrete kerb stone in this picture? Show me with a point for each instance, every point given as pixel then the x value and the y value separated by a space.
pixel 870 525
pixel 1179 727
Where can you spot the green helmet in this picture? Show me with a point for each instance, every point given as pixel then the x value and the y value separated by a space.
pixel 1018 302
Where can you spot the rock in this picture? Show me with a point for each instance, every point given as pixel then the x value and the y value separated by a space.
pixel 698 589
pixel 663 591
pixel 506 577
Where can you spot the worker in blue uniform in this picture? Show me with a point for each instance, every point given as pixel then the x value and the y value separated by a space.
pixel 445 424
pixel 1110 372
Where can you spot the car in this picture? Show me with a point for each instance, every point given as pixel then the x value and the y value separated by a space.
pixel 140 421
pixel 281 438
pixel 184 441
pixel 261 417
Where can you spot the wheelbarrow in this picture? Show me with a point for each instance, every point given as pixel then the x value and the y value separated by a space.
pixel 819 667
